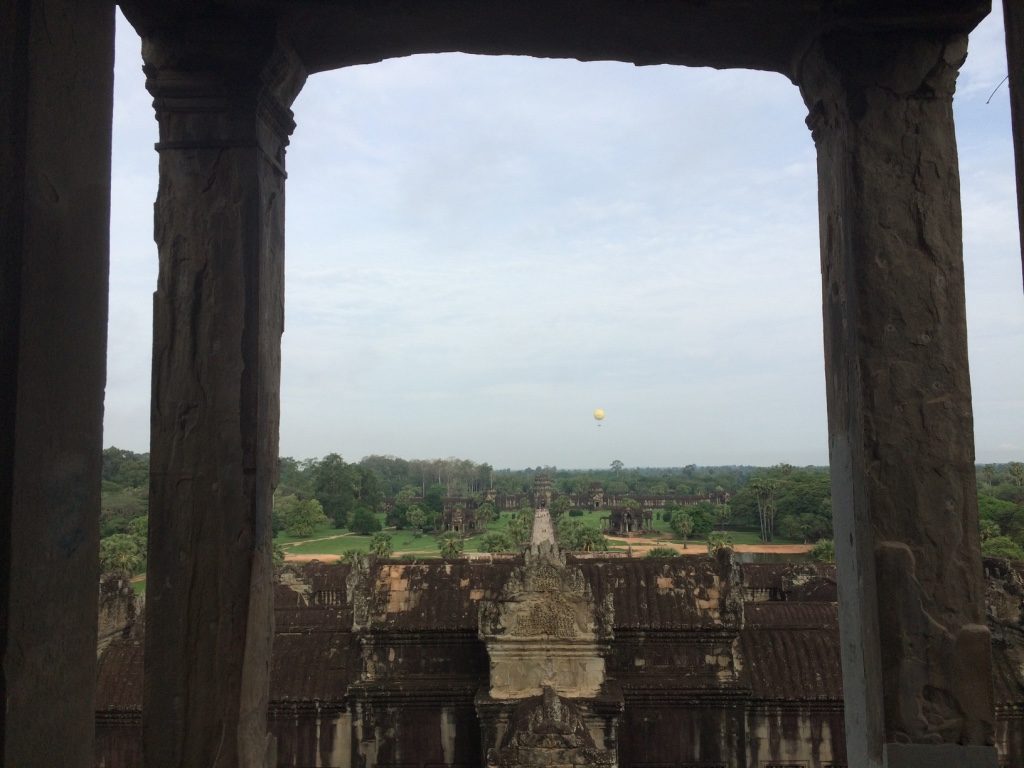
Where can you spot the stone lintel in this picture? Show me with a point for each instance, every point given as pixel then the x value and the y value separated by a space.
pixel 721 34
pixel 938 755
pixel 518 677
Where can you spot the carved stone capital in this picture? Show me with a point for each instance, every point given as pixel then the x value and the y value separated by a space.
pixel 845 73
pixel 220 86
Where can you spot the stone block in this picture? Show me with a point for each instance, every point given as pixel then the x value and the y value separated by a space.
pixel 936 755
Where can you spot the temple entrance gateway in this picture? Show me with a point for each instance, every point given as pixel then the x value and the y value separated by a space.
pixel 878 84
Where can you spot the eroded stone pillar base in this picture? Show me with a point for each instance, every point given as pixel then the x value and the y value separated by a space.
pixel 935 755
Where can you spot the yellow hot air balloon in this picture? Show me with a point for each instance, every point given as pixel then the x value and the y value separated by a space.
pixel 599 415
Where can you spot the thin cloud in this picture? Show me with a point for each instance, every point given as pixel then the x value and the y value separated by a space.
pixel 482 250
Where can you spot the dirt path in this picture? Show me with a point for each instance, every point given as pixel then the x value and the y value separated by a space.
pixel 643 545
pixel 310 558
pixel 312 541
pixel 640 546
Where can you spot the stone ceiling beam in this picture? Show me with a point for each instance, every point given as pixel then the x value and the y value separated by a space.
pixel 716 33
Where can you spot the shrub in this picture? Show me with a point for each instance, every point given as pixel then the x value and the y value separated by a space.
pixel 451 545
pixel 417 518
pixel 121 553
pixel 301 518
pixel 989 529
pixel 1000 546
pixel 364 522
pixel 717 541
pixel 662 552
pixel 682 525
pixel 575 536
pixel 575 513
pixel 380 545
pixel 824 551
pixel 496 542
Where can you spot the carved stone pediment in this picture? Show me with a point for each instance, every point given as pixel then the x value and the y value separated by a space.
pixel 544 630
pixel 544 598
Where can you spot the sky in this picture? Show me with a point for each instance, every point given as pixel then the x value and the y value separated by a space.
pixel 480 251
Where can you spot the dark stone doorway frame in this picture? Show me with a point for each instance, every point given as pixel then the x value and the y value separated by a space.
pixel 224 75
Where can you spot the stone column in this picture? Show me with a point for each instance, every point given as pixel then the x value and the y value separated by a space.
pixel 1013 23
pixel 915 648
pixel 222 95
pixel 56 99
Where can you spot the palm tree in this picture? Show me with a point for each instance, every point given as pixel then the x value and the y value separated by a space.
pixel 451 546
pixel 120 553
pixel 380 545
pixel 764 489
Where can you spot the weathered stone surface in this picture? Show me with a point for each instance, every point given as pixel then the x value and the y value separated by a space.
pixel 899 453
pixel 119 610
pixel 221 95
pixel 414 682
pixel 548 702
pixel 1013 23
pixel 549 731
pixel 56 87
pixel 411 685
pixel 545 631
pixel 915 660
pixel 724 33
pixel 931 755
pixel 543 531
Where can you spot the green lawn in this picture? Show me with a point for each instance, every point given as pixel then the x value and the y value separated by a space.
pixel 337 546
pixel 401 541
pixel 753 537
pixel 326 531
pixel 405 541
pixel 336 541
pixel 593 518
pixel 738 537
pixel 425 546
pixel 662 530
pixel 286 541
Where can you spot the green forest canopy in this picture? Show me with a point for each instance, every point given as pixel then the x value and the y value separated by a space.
pixel 798 499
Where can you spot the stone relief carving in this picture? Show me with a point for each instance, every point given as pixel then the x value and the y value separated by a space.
pixel 545 597
pixel 548 731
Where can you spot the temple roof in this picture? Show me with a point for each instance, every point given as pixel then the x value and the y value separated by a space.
pixel 788 649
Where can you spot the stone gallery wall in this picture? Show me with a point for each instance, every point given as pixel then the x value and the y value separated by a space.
pixel 553 660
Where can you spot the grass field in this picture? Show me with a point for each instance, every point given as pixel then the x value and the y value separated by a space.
pixel 338 541
pixel 285 540
pixel 401 541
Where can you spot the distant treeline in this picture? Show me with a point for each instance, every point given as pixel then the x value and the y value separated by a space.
pixel 794 502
